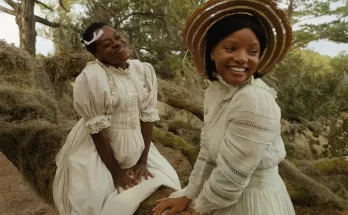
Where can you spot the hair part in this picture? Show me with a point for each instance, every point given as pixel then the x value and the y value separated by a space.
pixel 89 34
pixel 225 27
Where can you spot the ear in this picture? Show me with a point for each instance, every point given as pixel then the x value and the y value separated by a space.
pixel 97 56
pixel 212 55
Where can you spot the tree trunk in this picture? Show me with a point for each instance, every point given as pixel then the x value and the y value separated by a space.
pixel 26 24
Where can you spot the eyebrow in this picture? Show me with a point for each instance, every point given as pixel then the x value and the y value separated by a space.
pixel 254 42
pixel 108 39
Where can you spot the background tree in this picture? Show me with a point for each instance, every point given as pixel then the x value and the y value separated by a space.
pixel 26 20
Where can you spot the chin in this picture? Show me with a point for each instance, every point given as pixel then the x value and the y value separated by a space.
pixel 235 80
pixel 125 55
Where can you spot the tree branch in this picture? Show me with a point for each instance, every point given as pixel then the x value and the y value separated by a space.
pixel 46 22
pixel 13 4
pixel 8 11
pixel 44 5
pixel 62 6
pixel 37 18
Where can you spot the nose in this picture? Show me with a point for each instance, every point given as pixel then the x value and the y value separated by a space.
pixel 116 42
pixel 240 57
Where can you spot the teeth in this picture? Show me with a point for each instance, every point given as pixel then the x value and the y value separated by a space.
pixel 235 69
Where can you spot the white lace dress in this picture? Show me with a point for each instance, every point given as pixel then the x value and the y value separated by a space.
pixel 236 172
pixel 115 100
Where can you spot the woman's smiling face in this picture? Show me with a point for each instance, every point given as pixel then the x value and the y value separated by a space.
pixel 237 56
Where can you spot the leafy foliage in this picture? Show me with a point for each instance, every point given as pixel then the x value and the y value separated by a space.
pixel 306 92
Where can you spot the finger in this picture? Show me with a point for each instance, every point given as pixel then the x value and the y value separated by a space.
pixel 161 200
pixel 146 175
pixel 117 189
pixel 124 187
pixel 160 209
pixel 172 211
pixel 136 173
pixel 160 206
pixel 130 185
pixel 150 174
pixel 139 176
pixel 134 181
pixel 185 213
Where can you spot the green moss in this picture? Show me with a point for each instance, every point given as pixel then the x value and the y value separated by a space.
pixel 333 166
pixel 170 140
pixel 178 124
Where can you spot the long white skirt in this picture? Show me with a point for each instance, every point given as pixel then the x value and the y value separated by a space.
pixel 83 185
pixel 265 194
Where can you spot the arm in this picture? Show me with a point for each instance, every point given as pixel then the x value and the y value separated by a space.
pixel 254 123
pixel 200 173
pixel 148 115
pixel 102 144
pixel 146 131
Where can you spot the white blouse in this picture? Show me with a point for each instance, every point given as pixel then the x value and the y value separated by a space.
pixel 104 95
pixel 241 133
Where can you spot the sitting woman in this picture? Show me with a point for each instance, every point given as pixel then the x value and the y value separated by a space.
pixel 236 173
pixel 108 164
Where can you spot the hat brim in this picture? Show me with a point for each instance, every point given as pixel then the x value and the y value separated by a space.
pixel 274 20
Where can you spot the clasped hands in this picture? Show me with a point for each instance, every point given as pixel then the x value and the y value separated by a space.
pixel 128 178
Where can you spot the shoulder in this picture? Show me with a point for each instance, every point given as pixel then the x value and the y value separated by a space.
pixel 258 98
pixel 144 70
pixel 92 72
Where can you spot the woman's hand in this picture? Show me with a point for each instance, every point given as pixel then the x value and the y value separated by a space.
pixel 124 179
pixel 141 170
pixel 190 211
pixel 175 205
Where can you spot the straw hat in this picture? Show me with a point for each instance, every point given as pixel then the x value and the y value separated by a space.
pixel 274 20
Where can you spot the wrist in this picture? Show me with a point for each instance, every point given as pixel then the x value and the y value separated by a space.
pixel 187 201
pixel 142 160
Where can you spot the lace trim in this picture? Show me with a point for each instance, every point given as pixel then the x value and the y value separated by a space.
pixel 207 162
pixel 150 115
pixel 251 125
pixel 111 83
pixel 235 170
pixel 216 193
pixel 98 123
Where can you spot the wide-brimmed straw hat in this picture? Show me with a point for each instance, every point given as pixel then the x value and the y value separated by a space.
pixel 274 20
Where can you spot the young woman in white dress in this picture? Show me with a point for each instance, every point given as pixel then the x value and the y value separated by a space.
pixel 108 164
pixel 233 43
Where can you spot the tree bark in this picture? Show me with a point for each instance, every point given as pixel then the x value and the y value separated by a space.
pixel 178 97
pixel 290 171
pixel 26 23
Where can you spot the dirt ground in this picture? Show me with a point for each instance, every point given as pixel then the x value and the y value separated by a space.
pixel 18 198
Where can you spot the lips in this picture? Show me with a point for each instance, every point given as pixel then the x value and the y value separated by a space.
pixel 237 69
pixel 120 49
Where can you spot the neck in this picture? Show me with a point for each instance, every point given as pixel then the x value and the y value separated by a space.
pixel 123 65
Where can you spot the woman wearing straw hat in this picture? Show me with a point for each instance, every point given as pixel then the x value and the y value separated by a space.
pixel 233 43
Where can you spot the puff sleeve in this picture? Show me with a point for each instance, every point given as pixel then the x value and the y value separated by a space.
pixel 148 111
pixel 92 98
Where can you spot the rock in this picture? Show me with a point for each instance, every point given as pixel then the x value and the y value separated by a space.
pixel 182 167
pixel 297 146
pixel 172 114
pixel 17 196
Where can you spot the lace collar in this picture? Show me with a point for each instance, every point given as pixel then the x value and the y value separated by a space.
pixel 228 90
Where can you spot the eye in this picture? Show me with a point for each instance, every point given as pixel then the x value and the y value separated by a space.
pixel 230 49
pixel 117 36
pixel 253 52
pixel 106 45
